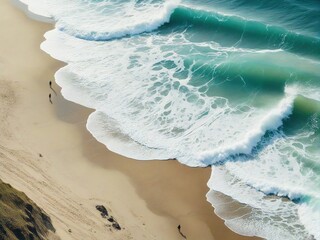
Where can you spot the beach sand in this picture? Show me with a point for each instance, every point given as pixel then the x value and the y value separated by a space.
pixel 46 152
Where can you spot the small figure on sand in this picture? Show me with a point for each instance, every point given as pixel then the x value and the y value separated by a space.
pixel 50 98
pixel 179 229
pixel 50 85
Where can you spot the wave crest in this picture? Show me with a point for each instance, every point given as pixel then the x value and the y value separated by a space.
pixel 138 22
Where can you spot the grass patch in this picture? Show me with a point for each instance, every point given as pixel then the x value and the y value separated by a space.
pixel 20 218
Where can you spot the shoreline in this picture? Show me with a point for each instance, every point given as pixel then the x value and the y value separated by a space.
pixel 75 173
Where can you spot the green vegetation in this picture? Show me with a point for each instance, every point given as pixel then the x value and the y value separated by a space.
pixel 20 218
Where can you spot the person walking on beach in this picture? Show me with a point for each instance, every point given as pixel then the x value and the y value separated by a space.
pixel 50 98
pixel 179 229
pixel 50 85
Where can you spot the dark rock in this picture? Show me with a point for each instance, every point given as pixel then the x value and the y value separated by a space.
pixel 103 211
pixel 116 226
pixel 111 219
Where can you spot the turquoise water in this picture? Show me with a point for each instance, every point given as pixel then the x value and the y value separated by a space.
pixel 228 84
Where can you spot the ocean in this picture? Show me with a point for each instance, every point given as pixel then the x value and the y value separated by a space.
pixel 231 84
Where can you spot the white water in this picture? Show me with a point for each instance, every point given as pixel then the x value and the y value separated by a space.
pixel 119 18
pixel 272 121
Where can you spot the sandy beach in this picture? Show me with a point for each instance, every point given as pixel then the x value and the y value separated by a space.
pixel 46 152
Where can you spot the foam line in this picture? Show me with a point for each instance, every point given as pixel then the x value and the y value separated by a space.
pixel 272 121
pixel 32 11
pixel 146 24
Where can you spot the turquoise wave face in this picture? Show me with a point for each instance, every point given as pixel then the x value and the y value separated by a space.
pixel 294 15
pixel 230 84
pixel 238 32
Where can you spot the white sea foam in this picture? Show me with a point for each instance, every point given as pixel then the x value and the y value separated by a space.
pixel 309 92
pixel 36 7
pixel 265 172
pixel 310 215
pixel 33 10
pixel 271 121
pixel 83 19
pixel 92 85
pixel 258 215
pixel 107 131
pixel 281 157
pixel 127 20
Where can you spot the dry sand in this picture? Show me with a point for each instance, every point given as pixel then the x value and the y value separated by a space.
pixel 74 172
